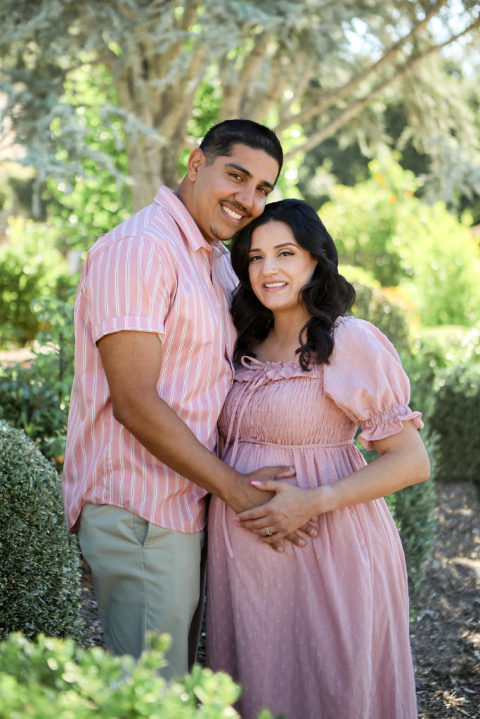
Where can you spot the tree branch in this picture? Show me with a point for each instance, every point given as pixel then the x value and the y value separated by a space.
pixel 344 117
pixel 332 98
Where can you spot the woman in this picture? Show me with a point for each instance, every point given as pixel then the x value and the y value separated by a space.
pixel 319 632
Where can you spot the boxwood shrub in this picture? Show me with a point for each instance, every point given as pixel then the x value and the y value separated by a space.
pixel 445 374
pixel 51 675
pixel 456 420
pixel 40 588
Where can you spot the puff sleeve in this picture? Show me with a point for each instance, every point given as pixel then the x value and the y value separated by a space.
pixel 365 378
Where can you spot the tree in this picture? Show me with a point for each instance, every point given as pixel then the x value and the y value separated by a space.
pixel 285 62
pixel 432 154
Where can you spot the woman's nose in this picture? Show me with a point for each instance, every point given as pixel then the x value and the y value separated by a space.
pixel 269 265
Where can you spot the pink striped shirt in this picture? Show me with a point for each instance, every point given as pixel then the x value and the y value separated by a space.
pixel 153 273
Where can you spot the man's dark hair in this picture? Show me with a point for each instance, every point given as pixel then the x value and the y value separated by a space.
pixel 221 138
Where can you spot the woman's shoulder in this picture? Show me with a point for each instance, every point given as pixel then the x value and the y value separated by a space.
pixel 358 336
pixel 351 323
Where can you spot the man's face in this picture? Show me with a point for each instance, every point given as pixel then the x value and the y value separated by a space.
pixel 231 191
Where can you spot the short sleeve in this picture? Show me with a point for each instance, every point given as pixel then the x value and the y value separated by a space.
pixel 365 378
pixel 128 285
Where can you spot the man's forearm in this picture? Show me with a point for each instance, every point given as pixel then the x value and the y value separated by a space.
pixel 159 429
pixel 132 363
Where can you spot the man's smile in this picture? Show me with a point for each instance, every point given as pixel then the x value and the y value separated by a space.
pixel 234 214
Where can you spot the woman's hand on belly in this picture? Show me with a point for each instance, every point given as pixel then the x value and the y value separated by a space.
pixel 257 494
pixel 287 512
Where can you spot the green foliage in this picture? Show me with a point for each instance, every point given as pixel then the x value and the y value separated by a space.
pixel 81 683
pixel 423 151
pixel 30 267
pixel 365 221
pixel 39 564
pixel 380 226
pixel 455 418
pixel 97 198
pixel 35 398
pixel 435 350
pixel 308 64
pixel 413 511
pixel 385 308
pixel 445 262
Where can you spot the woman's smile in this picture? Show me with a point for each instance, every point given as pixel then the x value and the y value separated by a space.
pixel 278 267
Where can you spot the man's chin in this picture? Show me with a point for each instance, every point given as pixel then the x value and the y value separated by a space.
pixel 222 235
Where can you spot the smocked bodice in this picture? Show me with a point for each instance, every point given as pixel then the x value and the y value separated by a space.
pixel 279 403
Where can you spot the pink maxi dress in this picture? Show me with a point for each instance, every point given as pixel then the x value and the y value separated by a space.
pixel 320 632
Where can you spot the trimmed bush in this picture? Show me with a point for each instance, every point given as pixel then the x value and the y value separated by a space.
pixel 456 420
pixel 445 373
pixel 39 561
pixel 435 352
pixel 53 675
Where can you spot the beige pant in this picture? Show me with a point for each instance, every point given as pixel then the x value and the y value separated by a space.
pixel 146 579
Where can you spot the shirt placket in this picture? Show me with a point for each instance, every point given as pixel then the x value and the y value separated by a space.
pixel 222 304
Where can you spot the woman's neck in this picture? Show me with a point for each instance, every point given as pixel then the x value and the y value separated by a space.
pixel 282 340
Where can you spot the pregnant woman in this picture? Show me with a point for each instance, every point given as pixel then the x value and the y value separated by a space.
pixel 319 632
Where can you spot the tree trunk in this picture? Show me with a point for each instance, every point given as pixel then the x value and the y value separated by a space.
pixel 151 165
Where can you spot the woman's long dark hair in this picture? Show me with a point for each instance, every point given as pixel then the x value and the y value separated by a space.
pixel 327 296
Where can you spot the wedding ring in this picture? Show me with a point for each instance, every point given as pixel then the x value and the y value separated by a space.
pixel 268 532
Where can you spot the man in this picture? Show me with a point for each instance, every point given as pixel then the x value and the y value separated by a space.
pixel 154 341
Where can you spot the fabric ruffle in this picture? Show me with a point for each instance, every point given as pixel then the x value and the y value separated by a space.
pixel 388 423
pixel 271 370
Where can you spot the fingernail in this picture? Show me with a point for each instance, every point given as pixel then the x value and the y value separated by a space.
pixel 235 520
pixel 255 484
pixel 301 543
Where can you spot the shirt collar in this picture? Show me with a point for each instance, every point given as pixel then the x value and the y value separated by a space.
pixel 185 221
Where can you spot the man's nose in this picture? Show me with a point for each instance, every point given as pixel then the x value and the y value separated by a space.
pixel 246 196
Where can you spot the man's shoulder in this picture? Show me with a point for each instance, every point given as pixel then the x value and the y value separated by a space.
pixel 152 227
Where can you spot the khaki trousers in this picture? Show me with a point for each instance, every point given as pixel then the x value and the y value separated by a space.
pixel 147 579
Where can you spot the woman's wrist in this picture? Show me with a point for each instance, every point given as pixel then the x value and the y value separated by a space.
pixel 325 499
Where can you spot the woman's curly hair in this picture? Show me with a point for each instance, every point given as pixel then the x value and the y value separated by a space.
pixel 327 296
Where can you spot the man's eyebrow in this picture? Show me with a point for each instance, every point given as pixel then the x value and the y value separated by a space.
pixel 246 172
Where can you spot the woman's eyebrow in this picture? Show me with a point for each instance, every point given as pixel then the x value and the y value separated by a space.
pixel 275 247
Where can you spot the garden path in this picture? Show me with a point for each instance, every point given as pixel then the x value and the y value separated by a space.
pixel 446 631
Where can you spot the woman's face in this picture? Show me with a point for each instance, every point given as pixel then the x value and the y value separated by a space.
pixel 278 267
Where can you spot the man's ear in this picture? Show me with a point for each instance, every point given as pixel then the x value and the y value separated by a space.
pixel 196 162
